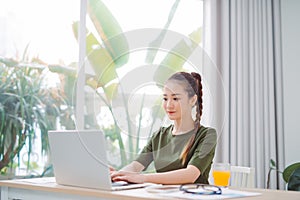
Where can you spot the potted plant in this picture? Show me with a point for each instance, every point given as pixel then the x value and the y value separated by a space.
pixel 286 173
pixel 27 106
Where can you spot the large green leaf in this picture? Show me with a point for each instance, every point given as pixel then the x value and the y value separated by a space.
pixel 177 56
pixel 109 30
pixel 111 91
pixel 104 68
pixel 8 62
pixel 289 170
pixel 66 70
pixel 99 58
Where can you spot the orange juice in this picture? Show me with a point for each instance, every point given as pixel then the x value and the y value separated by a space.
pixel 221 178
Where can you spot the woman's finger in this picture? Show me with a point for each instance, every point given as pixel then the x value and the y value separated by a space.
pixel 111 169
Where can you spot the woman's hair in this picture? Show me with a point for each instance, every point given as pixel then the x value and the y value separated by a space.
pixel 193 86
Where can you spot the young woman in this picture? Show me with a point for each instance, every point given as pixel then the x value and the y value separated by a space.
pixel 183 152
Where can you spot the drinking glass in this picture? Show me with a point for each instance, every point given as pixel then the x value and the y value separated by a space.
pixel 221 174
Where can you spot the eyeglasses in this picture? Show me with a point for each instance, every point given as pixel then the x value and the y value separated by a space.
pixel 200 189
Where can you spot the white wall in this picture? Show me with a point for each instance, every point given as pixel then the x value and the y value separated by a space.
pixel 291 78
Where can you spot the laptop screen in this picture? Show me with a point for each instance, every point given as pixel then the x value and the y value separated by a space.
pixel 79 158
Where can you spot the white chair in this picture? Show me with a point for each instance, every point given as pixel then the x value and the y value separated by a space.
pixel 242 177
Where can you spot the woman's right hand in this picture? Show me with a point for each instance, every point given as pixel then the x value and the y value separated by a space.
pixel 111 170
pixel 130 177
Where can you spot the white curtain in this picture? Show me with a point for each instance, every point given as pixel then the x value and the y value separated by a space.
pixel 243 38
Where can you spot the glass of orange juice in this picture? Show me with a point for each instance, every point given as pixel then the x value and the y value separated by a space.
pixel 221 174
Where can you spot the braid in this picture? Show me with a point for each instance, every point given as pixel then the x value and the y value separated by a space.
pixel 199 105
pixel 193 87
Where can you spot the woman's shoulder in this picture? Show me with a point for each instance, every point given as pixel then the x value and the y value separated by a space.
pixel 203 130
pixel 162 130
pixel 207 134
pixel 207 128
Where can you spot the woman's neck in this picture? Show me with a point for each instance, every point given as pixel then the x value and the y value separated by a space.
pixel 181 127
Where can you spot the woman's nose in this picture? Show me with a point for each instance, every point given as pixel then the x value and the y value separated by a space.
pixel 170 104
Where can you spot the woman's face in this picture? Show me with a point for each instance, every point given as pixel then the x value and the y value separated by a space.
pixel 176 102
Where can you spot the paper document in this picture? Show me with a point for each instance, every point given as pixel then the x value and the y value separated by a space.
pixel 38 181
pixel 226 194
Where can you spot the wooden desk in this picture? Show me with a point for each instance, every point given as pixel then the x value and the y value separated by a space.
pixel 47 189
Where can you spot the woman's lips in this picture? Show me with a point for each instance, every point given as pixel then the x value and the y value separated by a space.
pixel 171 112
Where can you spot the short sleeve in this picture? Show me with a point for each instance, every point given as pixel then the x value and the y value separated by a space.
pixel 205 151
pixel 146 155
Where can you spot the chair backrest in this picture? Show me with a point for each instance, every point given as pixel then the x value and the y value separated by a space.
pixel 242 177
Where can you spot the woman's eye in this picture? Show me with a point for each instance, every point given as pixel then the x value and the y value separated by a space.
pixel 165 99
pixel 175 99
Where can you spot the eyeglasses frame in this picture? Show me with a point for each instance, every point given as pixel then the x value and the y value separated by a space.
pixel 219 190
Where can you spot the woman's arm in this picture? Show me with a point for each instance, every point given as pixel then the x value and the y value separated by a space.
pixel 180 176
pixel 134 166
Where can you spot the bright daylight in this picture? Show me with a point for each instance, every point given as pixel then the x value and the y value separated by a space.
pixel 139 99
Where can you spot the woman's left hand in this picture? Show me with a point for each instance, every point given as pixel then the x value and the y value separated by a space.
pixel 131 177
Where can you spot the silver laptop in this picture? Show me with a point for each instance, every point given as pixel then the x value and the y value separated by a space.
pixel 79 159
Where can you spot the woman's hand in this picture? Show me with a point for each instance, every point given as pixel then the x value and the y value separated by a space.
pixel 111 170
pixel 131 177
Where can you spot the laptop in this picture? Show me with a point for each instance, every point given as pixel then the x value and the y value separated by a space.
pixel 79 159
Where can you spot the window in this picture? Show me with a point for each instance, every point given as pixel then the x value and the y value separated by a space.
pixel 131 110
pixel 45 26
pixel 35 31
pixel 44 32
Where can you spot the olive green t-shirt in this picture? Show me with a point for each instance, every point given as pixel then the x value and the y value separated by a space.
pixel 164 150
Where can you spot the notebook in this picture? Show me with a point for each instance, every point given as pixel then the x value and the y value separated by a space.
pixel 79 158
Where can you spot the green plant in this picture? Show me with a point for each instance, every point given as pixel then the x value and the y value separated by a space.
pixel 286 173
pixel 272 167
pixel 26 106
pixel 105 56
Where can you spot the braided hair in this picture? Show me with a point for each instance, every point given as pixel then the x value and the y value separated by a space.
pixel 193 86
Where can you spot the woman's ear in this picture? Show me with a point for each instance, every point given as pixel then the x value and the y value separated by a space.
pixel 193 100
